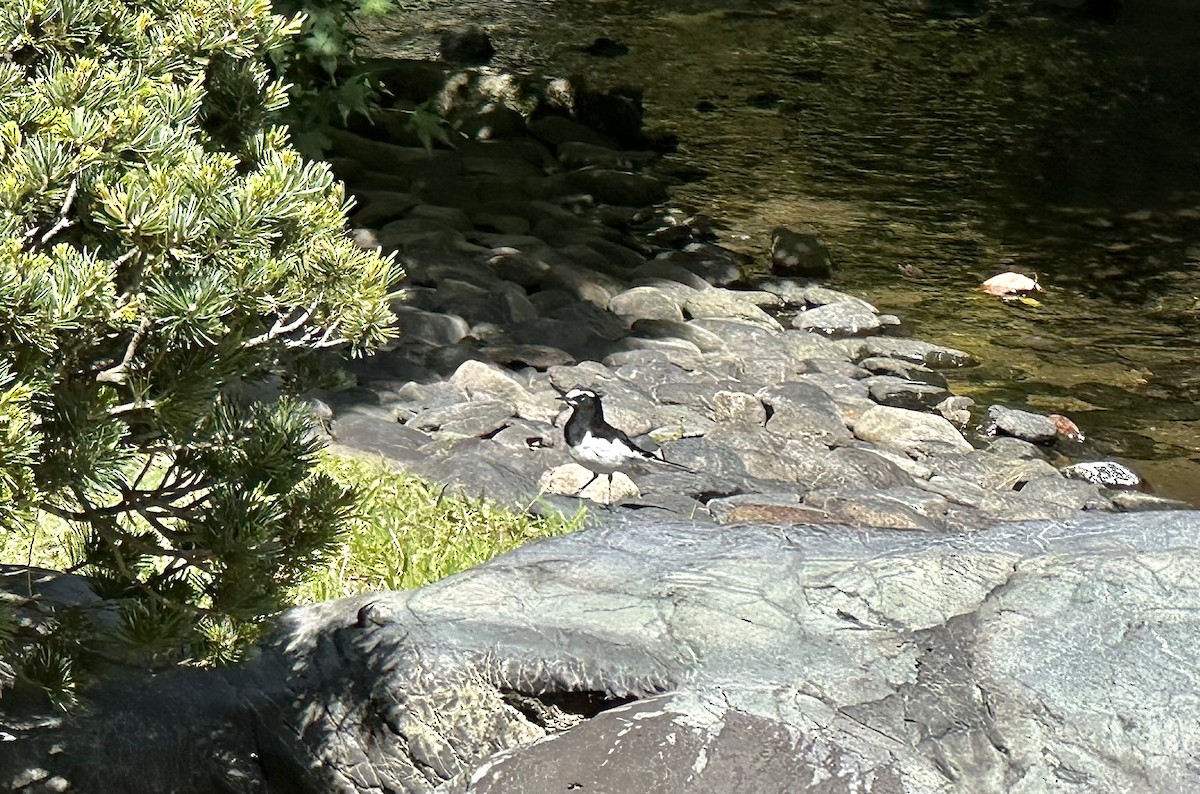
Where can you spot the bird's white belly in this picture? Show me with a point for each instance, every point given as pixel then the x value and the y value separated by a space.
pixel 602 455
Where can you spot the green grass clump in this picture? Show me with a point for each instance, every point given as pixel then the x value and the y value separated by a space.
pixel 407 533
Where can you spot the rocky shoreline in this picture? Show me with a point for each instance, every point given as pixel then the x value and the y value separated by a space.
pixel 540 257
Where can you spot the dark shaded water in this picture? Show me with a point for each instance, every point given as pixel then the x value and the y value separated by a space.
pixel 966 138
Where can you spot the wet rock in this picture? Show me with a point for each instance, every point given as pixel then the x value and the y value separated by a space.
pixel 473 419
pixel 956 490
pixel 698 393
pixel 844 318
pixel 659 270
pixel 647 303
pixel 478 380
pixel 841 369
pixel 393 440
pixel 679 421
pixel 739 335
pixel 797 254
pixel 678 351
pixel 1027 426
pixel 816 295
pixel 539 357
pixel 849 467
pixel 805 345
pixel 704 456
pixel 850 394
pixel 900 393
pixel 768 368
pixel 609 186
pixel 578 154
pixel 917 352
pixel 714 265
pixel 1014 449
pixel 878 365
pixel 897 508
pixel 528 434
pixel 432 327
pixel 766 455
pixel 378 207
pixel 909 431
pixel 789 291
pixel 483 469
pixel 570 480
pixel 993 472
pixel 469 46
pixel 1059 490
pixel 957 410
pixel 1108 473
pixel 705 340
pixel 555 130
pixel 500 223
pixel 730 305
pixel 739 408
pixel 771 509
pixel 1135 501
pixel 804 411
pixel 431 395
pixel 648 373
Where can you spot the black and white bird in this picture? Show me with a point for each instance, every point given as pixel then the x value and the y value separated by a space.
pixel 598 446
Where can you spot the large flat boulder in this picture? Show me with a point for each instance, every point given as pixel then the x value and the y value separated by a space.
pixel 1027 657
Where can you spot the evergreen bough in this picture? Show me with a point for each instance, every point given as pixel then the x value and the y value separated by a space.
pixel 161 243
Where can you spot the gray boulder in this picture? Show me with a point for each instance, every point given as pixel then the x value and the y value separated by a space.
pixel 1027 426
pixel 1042 657
pixel 844 318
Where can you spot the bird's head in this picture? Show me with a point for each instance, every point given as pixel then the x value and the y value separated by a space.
pixel 577 397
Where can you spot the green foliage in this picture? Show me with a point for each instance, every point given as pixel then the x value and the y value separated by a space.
pixel 160 244
pixel 407 533
pixel 327 82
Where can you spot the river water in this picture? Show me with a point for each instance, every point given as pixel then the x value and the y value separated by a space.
pixel 965 137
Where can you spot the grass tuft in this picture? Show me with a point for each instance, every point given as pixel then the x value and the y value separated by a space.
pixel 408 533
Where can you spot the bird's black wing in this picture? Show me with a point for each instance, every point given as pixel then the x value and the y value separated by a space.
pixel 611 433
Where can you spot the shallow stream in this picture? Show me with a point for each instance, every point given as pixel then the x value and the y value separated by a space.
pixel 965 137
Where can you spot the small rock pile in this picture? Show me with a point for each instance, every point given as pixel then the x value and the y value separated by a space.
pixel 537 262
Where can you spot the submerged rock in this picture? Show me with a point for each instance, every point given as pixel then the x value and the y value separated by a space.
pixel 796 253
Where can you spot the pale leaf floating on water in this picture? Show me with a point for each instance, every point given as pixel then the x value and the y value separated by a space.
pixel 1010 283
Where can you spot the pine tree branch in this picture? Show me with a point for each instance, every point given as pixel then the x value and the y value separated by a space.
pixel 128 408
pixel 60 224
pixel 281 327
pixel 117 372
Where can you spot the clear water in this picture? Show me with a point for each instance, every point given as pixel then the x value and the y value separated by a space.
pixel 964 137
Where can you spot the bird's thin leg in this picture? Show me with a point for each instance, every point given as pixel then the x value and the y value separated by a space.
pixel 595 475
pixel 610 489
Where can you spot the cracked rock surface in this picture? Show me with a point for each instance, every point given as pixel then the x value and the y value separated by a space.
pixel 646 657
